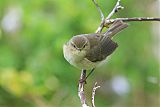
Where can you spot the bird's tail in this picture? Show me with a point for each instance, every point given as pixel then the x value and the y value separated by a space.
pixel 115 28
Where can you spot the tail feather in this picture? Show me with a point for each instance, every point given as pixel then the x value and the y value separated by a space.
pixel 115 28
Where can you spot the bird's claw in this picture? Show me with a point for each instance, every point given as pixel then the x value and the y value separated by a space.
pixel 83 81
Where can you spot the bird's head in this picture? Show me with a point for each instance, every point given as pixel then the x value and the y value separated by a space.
pixel 79 43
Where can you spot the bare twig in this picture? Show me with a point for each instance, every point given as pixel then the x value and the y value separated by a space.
pixel 81 89
pixel 94 92
pixel 101 26
pixel 102 17
pixel 116 8
pixel 99 9
pixel 110 21
pixel 81 93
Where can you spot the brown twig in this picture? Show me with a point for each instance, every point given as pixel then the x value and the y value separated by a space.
pixel 110 21
pixel 94 92
pixel 102 17
pixel 81 93
pixel 99 9
pixel 81 88
pixel 116 8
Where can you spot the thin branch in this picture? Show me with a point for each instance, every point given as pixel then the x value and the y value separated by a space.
pixel 110 21
pixel 94 92
pixel 116 8
pixel 99 9
pixel 101 26
pixel 81 93
pixel 102 17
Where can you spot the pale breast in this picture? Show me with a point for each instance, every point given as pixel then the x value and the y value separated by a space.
pixel 86 64
pixel 73 56
pixel 78 59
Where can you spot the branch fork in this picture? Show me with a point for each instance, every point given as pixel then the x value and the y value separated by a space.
pixel 81 92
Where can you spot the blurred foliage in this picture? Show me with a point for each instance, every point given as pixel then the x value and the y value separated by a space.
pixel 33 72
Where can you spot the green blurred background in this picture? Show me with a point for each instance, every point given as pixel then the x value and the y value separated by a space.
pixel 34 73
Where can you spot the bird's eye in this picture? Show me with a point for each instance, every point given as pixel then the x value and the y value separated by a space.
pixel 73 45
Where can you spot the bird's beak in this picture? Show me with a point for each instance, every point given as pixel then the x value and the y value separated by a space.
pixel 79 50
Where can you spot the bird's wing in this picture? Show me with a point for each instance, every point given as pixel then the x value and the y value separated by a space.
pixel 101 51
pixel 115 28
pixel 103 46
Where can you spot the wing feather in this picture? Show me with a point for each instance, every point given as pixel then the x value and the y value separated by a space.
pixel 101 44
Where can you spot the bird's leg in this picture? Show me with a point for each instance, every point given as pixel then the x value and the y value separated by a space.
pixel 85 78
pixel 90 73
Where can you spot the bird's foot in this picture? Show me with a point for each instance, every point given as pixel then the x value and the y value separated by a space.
pixel 83 81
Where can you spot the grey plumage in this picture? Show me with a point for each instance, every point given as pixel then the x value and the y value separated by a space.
pixel 86 51
pixel 101 50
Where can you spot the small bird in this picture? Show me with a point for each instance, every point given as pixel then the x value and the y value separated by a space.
pixel 86 51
